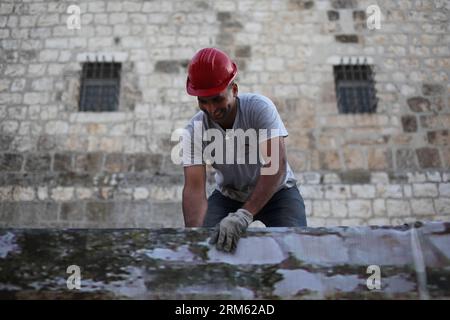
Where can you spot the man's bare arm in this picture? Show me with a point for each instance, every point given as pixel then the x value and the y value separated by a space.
pixel 194 196
pixel 272 174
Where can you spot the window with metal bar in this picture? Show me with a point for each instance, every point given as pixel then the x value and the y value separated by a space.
pixel 100 86
pixel 355 88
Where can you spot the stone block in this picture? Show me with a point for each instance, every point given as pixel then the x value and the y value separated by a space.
pixel 379 208
pixel 379 177
pixel 140 193
pixel 347 38
pixel 42 193
pixel 37 162
pixel 48 20
pixel 354 159
pixel 428 158
pixel 409 123
pixel 407 191
pixel 419 104
pixel 343 4
pixel 90 162
pixel 150 163
pixel 115 162
pixel 439 137
pixel 6 193
pixel 406 159
pixel 339 209
pixel 329 160
pixel 333 15
pixel 415 177
pixel 359 208
pixel 309 178
pixel 321 208
pixel 422 207
pixel 298 161
pixel 57 127
pixel 389 191
pixel 82 193
pixel 169 214
pixel 355 177
pixel 23 193
pixel 363 191
pixel 398 208
pixel 331 178
pixel 99 212
pixel 62 193
pixel 164 193
pixel 243 51
pixel 442 206
pixel 435 122
pixel 379 159
pixel 72 211
pixel 432 89
pixel 62 162
pixel 433 176
pixel 11 162
pixel 425 190
pixel 337 192
pixel 444 190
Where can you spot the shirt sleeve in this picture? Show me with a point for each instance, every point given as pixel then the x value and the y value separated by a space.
pixel 192 144
pixel 268 118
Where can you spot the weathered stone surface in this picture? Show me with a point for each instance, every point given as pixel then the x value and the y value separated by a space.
pixel 243 51
pixel 170 66
pixel 359 16
pixel 379 159
pixel 115 162
pixel 148 163
pixel 440 137
pixel 409 123
pixel 90 162
pixel 272 263
pixel 37 162
pixel 428 158
pixel 431 89
pixel 343 4
pixel 329 160
pixel 419 104
pixel 301 4
pixel 406 159
pixel 355 176
pixel 62 162
pixel 347 38
pixel 11 162
pixel 333 15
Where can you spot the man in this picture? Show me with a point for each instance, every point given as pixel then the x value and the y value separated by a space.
pixel 264 190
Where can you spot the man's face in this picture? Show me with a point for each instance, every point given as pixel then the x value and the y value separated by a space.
pixel 219 107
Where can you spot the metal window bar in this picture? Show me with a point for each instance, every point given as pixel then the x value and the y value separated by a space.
pixel 355 87
pixel 100 86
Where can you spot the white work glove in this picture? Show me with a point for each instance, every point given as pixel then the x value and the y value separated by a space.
pixel 227 232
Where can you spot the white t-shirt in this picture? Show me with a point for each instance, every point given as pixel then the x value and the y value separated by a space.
pixel 257 120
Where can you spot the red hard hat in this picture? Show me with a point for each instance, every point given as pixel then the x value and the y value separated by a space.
pixel 210 72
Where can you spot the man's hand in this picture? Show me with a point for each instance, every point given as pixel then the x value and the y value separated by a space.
pixel 228 231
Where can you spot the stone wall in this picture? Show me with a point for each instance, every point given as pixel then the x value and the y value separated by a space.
pixel 60 167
